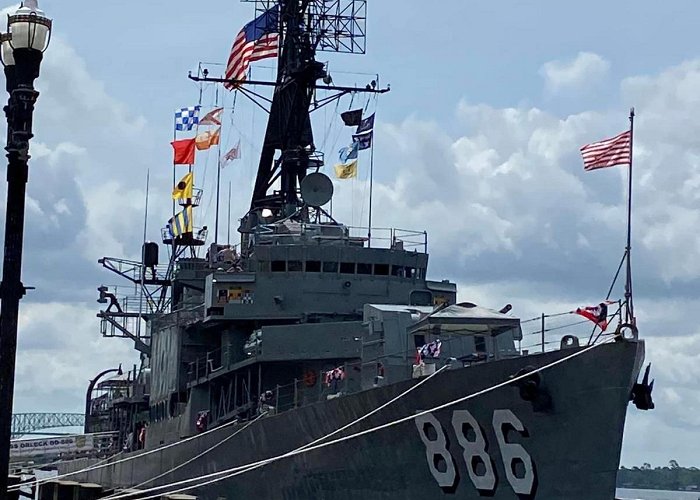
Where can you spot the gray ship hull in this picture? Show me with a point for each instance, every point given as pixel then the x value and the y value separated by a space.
pixel 569 451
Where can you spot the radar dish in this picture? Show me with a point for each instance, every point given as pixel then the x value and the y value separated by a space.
pixel 316 189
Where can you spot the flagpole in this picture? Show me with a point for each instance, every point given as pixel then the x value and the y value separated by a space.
pixel 143 269
pixel 218 174
pixel 228 225
pixel 371 182
pixel 629 310
pixel 174 164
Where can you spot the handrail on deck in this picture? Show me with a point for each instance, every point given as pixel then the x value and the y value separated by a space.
pixel 386 237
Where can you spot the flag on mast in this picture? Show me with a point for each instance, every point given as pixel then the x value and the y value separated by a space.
pixel 213 117
pixel 183 189
pixel 352 118
pixel 259 39
pixel 346 170
pixel 183 151
pixel 349 152
pixel 233 154
pixel 186 118
pixel 608 152
pixel 597 314
pixel 181 223
pixel 208 138
pixel 364 140
pixel 366 124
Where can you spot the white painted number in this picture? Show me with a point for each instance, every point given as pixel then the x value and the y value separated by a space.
pixel 473 450
pixel 436 449
pixel 513 453
pixel 517 462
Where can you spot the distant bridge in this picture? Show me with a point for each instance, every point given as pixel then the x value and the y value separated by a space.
pixel 30 423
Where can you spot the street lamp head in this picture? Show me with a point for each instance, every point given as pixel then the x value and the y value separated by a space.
pixel 29 27
pixel 28 36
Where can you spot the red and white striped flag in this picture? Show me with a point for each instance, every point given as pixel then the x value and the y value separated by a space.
pixel 259 39
pixel 608 152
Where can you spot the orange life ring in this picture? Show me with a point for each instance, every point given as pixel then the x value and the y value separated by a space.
pixel 310 378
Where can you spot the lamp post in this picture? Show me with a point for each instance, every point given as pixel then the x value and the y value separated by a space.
pixel 88 394
pixel 27 37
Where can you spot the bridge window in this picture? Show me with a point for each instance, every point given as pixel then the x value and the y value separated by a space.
pixel 330 267
pixel 381 269
pixel 364 268
pixel 313 266
pixel 479 343
pixel 421 298
pixel 294 266
pixel 347 268
pixel 279 266
pixel 264 266
pixel 398 271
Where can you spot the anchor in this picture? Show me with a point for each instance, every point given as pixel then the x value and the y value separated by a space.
pixel 641 392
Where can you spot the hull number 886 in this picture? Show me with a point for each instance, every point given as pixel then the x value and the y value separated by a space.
pixel 517 463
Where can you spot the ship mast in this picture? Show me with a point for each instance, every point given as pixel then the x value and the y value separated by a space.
pixel 306 26
pixel 289 125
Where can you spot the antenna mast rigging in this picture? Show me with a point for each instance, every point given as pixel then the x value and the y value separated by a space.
pixel 306 27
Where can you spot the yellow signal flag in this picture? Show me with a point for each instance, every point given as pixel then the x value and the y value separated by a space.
pixel 207 139
pixel 183 189
pixel 346 170
pixel 182 222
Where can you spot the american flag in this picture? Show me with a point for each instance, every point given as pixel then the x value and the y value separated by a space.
pixel 259 39
pixel 608 152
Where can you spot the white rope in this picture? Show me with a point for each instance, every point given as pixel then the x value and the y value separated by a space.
pixel 235 471
pixel 322 438
pixel 102 464
pixel 202 453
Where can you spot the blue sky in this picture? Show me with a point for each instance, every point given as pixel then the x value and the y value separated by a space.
pixel 477 143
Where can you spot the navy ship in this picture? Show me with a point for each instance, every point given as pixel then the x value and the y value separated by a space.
pixel 314 360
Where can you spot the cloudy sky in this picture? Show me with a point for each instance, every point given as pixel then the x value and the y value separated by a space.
pixel 477 143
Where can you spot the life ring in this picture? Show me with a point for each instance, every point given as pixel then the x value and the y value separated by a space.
pixel 310 378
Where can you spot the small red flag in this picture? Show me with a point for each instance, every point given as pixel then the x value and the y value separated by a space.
pixel 184 151
pixel 597 314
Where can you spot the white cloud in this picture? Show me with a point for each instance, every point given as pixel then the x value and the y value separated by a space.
pixel 60 350
pixel 584 70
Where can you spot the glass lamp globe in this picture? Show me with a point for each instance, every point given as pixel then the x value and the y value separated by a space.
pixel 29 27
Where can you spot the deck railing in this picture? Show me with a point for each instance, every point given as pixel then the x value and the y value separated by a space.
pixel 378 237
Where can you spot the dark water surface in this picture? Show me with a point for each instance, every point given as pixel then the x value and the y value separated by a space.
pixel 657 494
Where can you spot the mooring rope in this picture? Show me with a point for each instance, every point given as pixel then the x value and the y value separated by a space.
pixel 106 462
pixel 235 471
pixel 322 438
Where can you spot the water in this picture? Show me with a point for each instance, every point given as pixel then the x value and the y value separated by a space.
pixel 657 494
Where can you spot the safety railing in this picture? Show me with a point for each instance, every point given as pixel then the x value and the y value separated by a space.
pixel 194 201
pixel 132 269
pixel 377 237
pixel 552 328
pixel 183 316
pixel 196 237
pixel 385 237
